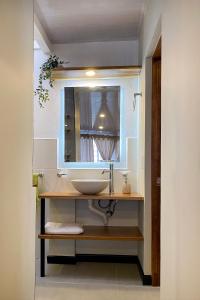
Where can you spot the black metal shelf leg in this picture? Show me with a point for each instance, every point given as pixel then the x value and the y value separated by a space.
pixel 42 258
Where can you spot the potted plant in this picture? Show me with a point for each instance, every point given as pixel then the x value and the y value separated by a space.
pixel 46 74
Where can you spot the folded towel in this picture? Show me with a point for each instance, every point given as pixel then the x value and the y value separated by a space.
pixel 35 183
pixel 63 228
pixel 35 179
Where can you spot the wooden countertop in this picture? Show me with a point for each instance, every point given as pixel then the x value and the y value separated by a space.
pixel 102 196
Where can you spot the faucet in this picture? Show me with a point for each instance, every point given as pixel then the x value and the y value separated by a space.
pixel 111 182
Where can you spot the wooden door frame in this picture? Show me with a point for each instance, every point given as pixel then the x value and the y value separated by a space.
pixel 156 164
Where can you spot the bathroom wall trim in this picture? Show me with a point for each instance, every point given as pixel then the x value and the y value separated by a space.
pixel 126 259
pixel 146 279
pixel 92 258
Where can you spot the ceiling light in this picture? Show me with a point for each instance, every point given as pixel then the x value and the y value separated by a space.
pixel 90 73
pixel 101 127
pixel 102 115
pixel 92 85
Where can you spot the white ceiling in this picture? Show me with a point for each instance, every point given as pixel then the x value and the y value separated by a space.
pixel 71 21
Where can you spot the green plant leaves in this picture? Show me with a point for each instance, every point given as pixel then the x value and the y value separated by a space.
pixel 46 74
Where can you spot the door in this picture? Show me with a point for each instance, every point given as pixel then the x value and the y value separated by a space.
pixel 156 163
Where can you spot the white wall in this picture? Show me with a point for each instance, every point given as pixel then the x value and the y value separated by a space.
pixel 119 53
pixel 47 120
pixel 17 204
pixel 145 166
pixel 46 133
pixel 151 28
pixel 181 149
pixel 180 205
pixel 150 34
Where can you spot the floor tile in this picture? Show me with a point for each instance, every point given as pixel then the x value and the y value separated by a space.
pixel 93 281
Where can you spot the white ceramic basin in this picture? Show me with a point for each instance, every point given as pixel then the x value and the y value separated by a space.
pixel 90 186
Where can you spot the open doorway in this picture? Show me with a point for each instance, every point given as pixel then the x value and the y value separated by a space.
pixel 94 68
pixel 156 163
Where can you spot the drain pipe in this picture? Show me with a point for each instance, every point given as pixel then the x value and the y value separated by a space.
pixel 93 208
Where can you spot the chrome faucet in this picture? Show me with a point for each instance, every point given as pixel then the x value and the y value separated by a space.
pixel 111 182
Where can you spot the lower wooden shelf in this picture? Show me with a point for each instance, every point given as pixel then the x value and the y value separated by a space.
pixel 100 233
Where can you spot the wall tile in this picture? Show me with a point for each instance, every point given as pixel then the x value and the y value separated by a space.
pixel 44 154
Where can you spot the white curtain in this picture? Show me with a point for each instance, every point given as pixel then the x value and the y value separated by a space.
pixel 104 131
pixel 85 110
pixel 105 146
pixel 87 149
pixel 107 122
pixel 116 153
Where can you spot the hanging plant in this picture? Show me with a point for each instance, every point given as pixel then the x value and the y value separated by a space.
pixel 46 74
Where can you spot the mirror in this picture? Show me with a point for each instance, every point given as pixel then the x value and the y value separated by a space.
pixel 92 124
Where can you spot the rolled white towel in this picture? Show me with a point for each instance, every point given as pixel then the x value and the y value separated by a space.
pixel 63 228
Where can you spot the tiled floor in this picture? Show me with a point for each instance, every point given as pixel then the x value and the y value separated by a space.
pixel 93 281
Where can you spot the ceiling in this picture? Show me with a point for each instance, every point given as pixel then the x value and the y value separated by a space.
pixel 74 21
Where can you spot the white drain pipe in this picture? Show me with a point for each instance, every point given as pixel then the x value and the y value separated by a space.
pixel 93 208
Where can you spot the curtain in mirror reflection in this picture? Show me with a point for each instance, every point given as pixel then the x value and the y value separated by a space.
pixel 92 124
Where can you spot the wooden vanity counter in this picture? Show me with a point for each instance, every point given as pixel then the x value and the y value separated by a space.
pixel 101 233
pixel 102 196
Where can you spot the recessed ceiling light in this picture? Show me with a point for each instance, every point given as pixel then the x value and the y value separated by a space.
pixel 90 73
pixel 102 115
pixel 101 127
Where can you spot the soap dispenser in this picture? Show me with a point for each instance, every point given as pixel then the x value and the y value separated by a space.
pixel 126 187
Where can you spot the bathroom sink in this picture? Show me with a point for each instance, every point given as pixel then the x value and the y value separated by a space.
pixel 90 186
